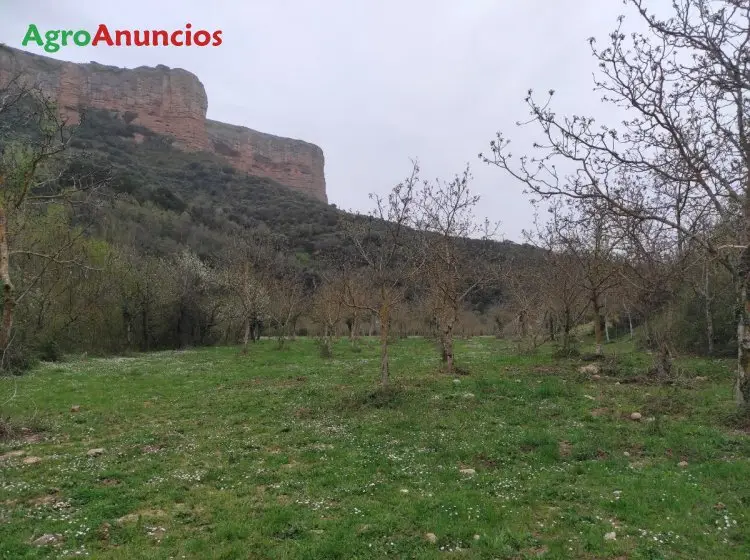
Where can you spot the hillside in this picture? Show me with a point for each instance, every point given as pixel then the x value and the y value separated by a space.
pixel 193 199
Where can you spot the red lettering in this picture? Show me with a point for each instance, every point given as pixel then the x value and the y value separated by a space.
pixel 163 34
pixel 217 38
pixel 202 38
pixel 102 34
pixel 141 42
pixel 175 42
pixel 119 35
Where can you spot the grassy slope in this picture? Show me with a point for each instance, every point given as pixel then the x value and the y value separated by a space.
pixel 284 455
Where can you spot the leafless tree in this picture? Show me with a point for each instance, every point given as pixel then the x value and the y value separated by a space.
pixel 587 237
pixel 327 310
pixel 245 278
pixel 452 268
pixel 557 281
pixel 384 245
pixel 681 156
pixel 286 303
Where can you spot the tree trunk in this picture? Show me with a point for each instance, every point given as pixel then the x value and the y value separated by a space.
pixel 448 346
pixel 742 384
pixel 9 302
pixel 384 328
pixel 664 362
pixel 598 324
pixel 606 331
pixel 354 333
pixel 630 324
pixel 566 331
pixel 522 324
pixel 144 322
pixel 246 337
pixel 709 314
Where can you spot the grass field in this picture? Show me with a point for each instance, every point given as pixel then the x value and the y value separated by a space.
pixel 282 454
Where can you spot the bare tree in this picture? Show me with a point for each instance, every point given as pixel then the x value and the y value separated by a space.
pixel 452 270
pixel 327 310
pixel 354 288
pixel 559 283
pixel 384 245
pixel 586 235
pixel 528 303
pixel 682 154
pixel 245 279
pixel 286 303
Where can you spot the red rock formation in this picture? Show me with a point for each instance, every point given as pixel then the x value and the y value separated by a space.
pixel 294 163
pixel 172 102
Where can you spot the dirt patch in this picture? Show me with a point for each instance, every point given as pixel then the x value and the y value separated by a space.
pixel 597 412
pixel 485 461
pixel 151 448
pixel 110 481
pixel 12 455
pixel 145 514
pixel 303 412
pixel 565 448
pixel 30 437
pixel 546 370
pixel 46 500
pixel 12 430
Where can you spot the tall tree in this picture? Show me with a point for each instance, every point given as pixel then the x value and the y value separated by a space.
pixel 385 246
pixel 34 177
pixel 452 269
pixel 682 154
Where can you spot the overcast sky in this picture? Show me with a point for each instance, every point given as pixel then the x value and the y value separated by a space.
pixel 372 82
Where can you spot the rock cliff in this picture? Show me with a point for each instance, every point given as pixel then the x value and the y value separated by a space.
pixel 173 102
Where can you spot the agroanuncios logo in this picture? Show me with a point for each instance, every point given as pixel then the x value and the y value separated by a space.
pixel 54 39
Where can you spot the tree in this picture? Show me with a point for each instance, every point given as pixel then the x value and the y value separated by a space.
pixel 452 270
pixel 681 157
pixel 560 280
pixel 384 246
pixel 34 179
pixel 286 303
pixel 245 278
pixel 327 309
pixel 355 291
pixel 590 240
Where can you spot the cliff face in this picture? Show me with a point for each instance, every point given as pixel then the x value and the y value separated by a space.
pixel 294 163
pixel 172 102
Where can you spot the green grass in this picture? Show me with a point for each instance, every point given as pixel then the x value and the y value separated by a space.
pixel 281 454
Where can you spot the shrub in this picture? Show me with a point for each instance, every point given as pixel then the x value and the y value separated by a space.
pixel 49 351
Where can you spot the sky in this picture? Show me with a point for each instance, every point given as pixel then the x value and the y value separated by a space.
pixel 374 83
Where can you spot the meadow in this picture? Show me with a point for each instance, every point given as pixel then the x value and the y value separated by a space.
pixel 212 454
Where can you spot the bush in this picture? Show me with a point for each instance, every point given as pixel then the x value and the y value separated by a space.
pixel 18 359
pixel 49 351
pixel 325 351
pixel 570 352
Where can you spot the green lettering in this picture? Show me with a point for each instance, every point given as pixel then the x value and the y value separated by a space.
pixel 65 36
pixel 51 45
pixel 32 34
pixel 82 38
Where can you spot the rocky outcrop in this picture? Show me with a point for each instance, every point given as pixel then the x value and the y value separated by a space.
pixel 294 163
pixel 169 101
